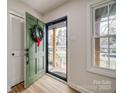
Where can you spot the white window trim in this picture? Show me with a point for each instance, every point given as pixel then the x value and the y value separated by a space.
pixel 89 45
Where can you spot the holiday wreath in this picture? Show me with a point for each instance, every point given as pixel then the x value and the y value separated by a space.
pixel 37 34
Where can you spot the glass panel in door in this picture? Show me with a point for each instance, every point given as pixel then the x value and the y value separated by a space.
pixel 57 49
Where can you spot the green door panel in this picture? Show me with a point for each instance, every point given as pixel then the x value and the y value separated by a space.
pixel 34 66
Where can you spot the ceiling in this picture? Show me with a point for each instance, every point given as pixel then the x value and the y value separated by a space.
pixel 44 6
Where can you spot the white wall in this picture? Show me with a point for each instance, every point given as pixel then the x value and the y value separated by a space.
pixel 15 5
pixel 77 33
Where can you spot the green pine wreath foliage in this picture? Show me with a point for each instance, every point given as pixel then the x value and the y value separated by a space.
pixel 37 31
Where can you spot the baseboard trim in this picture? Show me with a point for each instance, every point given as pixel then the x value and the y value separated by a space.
pixel 8 89
pixel 79 88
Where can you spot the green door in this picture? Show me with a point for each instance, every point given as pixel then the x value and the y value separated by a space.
pixel 34 54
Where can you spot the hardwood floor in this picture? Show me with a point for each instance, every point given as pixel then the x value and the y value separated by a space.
pixel 44 85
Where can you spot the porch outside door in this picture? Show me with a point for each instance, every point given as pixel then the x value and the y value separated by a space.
pixel 34 55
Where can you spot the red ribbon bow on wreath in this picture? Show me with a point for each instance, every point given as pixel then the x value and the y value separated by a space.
pixel 38 41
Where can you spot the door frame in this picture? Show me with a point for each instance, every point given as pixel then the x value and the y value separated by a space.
pixel 47 25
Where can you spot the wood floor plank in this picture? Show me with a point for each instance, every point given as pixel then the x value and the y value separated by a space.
pixel 46 84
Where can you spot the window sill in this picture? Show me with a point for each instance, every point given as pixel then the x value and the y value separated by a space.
pixel 102 71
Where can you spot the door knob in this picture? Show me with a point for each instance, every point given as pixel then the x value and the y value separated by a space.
pixel 13 54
